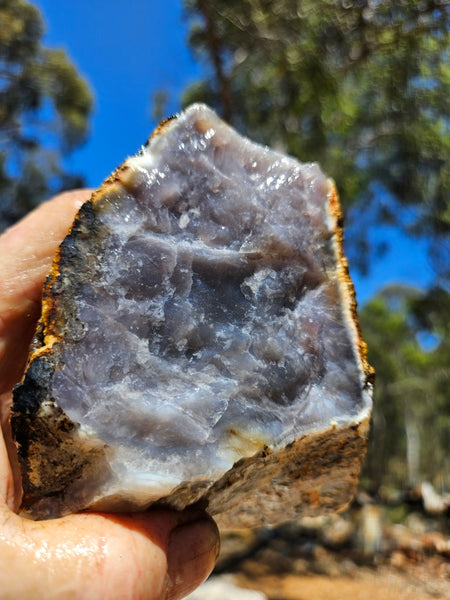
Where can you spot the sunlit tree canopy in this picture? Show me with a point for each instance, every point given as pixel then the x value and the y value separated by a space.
pixel 44 109
pixel 361 86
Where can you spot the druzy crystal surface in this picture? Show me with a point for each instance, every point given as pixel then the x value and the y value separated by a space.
pixel 198 316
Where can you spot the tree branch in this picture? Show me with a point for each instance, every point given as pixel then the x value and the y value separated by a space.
pixel 216 57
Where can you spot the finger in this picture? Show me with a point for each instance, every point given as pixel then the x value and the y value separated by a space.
pixel 10 480
pixel 26 253
pixel 9 485
pixel 192 553
pixel 154 556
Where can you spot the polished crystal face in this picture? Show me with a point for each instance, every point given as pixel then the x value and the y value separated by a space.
pixel 204 311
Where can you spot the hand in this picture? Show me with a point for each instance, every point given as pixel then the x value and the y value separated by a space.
pixel 154 555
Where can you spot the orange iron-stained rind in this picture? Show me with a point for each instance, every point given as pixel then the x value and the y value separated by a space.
pixel 199 341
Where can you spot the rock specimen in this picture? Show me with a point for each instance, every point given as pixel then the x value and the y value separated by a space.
pixel 198 340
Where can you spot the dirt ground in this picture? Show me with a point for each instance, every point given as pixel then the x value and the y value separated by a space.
pixel 360 555
pixel 385 583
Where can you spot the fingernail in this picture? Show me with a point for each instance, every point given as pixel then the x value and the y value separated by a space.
pixel 191 555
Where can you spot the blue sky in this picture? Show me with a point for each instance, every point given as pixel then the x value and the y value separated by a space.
pixel 127 51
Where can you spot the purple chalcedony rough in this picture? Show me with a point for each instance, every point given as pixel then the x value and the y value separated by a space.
pixel 199 316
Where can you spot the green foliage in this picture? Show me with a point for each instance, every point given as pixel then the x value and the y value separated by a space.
pixel 44 110
pixel 409 345
pixel 359 85
pixel 362 87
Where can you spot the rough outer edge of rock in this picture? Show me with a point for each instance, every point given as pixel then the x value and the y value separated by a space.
pixel 304 484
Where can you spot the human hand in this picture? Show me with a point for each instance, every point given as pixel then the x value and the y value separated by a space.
pixel 154 555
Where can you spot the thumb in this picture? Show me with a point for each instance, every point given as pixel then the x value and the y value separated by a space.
pixel 192 552
pixel 159 555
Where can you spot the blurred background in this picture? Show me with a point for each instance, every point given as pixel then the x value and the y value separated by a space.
pixel 362 87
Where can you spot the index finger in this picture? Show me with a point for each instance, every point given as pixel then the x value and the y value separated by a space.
pixel 26 253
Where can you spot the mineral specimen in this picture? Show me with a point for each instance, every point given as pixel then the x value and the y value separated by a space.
pixel 198 340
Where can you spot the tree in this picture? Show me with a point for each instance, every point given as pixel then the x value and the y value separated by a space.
pixel 361 86
pixel 409 346
pixel 44 110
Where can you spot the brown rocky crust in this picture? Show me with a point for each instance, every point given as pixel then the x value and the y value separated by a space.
pixel 67 465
